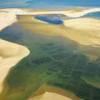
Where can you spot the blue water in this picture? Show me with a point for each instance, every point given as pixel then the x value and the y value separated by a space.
pixel 93 15
pixel 48 3
pixel 50 19
pixel 51 4
pixel 54 19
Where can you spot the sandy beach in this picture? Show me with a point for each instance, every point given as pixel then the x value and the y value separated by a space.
pixel 6 19
pixel 50 96
pixel 73 13
pixel 83 23
pixel 88 30
pixel 10 53
pixel 53 93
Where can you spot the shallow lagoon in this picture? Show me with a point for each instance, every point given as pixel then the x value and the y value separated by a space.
pixel 54 61
pixel 50 19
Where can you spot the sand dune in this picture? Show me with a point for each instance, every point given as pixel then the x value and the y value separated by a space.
pixel 10 53
pixel 50 96
pixel 53 93
pixel 89 30
pixel 70 13
pixel 75 14
pixel 83 23
pixel 6 19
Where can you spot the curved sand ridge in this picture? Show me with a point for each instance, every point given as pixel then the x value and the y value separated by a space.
pixel 10 53
pixel 82 13
pixel 69 13
pixel 50 96
pixel 6 19
pixel 53 93
pixel 83 23
pixel 88 30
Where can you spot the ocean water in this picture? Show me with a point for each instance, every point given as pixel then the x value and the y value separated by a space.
pixel 48 3
pixel 93 15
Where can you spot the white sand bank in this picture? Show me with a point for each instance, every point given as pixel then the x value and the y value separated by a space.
pixel 6 19
pixel 82 12
pixel 83 23
pixel 70 13
pixel 88 30
pixel 50 96
pixel 10 53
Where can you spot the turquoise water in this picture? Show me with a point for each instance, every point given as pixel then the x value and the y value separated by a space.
pixel 48 3
pixel 93 15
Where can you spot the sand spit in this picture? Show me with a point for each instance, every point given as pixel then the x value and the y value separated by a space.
pixel 53 93
pixel 70 13
pixel 88 30
pixel 50 96
pixel 10 53
pixel 76 14
pixel 6 19
pixel 83 23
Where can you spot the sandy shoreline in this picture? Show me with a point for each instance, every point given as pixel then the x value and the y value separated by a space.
pixel 70 13
pixel 50 96
pixel 53 93
pixel 83 23
pixel 6 19
pixel 10 53
pixel 88 30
